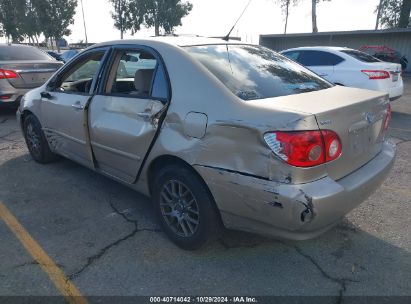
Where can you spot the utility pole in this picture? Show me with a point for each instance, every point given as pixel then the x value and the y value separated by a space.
pixel 84 21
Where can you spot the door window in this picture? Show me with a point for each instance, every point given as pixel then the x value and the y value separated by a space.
pixel 137 74
pixel 133 73
pixel 79 77
pixel 319 58
pixel 292 55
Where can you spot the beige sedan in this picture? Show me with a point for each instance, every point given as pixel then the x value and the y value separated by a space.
pixel 217 133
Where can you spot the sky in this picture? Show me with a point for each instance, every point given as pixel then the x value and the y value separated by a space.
pixel 216 17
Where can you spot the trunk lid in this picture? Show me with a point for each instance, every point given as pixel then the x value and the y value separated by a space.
pixel 31 74
pixel 356 115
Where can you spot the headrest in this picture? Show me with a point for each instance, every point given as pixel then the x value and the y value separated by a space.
pixel 142 81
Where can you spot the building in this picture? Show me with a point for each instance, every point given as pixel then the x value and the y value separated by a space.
pixel 397 39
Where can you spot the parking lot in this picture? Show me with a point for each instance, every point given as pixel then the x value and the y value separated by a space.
pixel 105 239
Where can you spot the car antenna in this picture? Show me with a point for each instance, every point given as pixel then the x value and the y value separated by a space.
pixel 227 37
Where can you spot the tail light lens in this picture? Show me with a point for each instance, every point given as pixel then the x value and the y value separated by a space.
pixel 388 118
pixel 7 74
pixel 376 74
pixel 305 148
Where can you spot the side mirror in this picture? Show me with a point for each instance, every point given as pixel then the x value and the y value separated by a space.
pixel 46 95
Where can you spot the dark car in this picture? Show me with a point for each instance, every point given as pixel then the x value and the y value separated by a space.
pixel 55 55
pixel 386 54
pixel 68 55
pixel 23 68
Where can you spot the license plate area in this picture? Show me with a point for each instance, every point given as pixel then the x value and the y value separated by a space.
pixel 395 77
pixel 35 78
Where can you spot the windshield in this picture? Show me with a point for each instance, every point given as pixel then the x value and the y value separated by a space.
pixel 254 72
pixel 364 57
pixel 22 53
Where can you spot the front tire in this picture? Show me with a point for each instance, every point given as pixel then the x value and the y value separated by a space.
pixel 185 207
pixel 36 141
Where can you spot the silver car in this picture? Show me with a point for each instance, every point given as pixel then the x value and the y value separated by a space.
pixel 217 133
pixel 23 68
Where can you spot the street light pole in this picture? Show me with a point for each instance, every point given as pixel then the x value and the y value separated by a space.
pixel 84 20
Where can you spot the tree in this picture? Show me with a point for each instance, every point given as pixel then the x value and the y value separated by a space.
pixel 389 13
pixel 405 14
pixel 314 14
pixel 55 16
pixel 160 14
pixel 31 26
pixel 285 6
pixel 12 17
pixel 121 15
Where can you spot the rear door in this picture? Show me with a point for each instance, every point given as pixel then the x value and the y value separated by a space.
pixel 65 102
pixel 124 116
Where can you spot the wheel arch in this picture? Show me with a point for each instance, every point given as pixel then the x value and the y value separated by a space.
pixel 167 160
pixel 23 116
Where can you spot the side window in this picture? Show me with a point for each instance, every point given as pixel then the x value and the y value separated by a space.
pixel 293 55
pixel 132 74
pixel 319 58
pixel 334 59
pixel 79 77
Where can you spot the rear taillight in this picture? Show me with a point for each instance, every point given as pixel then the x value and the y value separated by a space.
pixel 7 74
pixel 388 118
pixel 305 148
pixel 376 74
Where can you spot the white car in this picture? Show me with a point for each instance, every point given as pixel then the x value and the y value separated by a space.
pixel 351 68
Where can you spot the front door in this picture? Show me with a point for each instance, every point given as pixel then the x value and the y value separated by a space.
pixel 64 105
pixel 125 114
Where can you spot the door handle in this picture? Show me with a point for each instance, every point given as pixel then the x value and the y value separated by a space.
pixel 77 106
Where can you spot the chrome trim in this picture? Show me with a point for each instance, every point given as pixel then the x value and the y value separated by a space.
pixel 36 71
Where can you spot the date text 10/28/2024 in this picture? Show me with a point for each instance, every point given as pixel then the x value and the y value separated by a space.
pixel 203 300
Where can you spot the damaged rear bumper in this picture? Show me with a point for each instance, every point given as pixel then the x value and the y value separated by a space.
pixel 293 211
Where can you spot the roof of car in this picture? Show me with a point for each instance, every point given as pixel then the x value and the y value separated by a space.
pixel 319 48
pixel 4 45
pixel 172 40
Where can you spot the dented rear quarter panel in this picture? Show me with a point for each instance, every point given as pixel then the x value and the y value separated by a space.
pixel 233 138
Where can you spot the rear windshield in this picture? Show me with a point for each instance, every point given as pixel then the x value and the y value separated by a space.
pixel 12 52
pixel 254 72
pixel 364 57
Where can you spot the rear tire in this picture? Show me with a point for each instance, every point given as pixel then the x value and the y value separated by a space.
pixel 185 208
pixel 36 141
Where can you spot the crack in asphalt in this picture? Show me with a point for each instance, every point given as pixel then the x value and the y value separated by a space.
pixel 92 259
pixel 340 281
pixel 3 121
pixel 3 137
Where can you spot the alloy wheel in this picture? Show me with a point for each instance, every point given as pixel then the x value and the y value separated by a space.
pixel 179 208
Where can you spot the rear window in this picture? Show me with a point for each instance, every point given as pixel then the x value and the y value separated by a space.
pixel 254 72
pixel 12 52
pixel 364 57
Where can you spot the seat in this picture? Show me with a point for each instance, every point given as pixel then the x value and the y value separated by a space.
pixel 142 81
